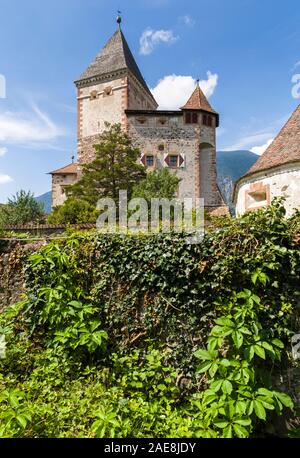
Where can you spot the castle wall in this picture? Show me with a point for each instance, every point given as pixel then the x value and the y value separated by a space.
pixel 59 181
pixel 198 173
pixel 280 182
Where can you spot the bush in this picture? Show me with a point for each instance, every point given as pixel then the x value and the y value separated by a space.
pixel 108 339
pixel 73 211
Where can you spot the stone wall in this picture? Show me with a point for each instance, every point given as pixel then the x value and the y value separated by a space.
pixel 12 255
pixel 195 142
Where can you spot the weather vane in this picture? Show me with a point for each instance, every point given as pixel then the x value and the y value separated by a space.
pixel 119 19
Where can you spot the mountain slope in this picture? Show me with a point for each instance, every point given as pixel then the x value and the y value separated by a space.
pixel 231 165
pixel 45 199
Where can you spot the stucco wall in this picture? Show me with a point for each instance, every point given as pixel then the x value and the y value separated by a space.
pixel 58 183
pixel 282 181
pixel 94 112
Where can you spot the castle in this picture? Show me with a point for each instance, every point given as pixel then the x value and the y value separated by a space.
pixel 113 90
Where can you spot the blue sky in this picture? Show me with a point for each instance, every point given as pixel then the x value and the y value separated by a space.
pixel 251 49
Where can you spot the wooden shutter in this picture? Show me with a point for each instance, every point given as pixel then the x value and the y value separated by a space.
pixel 143 160
pixel 182 160
pixel 166 160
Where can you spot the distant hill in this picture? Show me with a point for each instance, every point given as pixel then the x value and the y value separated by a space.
pixel 231 165
pixel 45 199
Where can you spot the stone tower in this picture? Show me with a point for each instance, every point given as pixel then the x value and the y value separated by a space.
pixel 110 85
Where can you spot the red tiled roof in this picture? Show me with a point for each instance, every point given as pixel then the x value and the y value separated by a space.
pixel 198 101
pixel 284 149
pixel 68 169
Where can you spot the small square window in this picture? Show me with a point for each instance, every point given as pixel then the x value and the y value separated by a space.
pixel 149 161
pixel 162 121
pixel 108 90
pixel 93 95
pixel 161 147
pixel 173 160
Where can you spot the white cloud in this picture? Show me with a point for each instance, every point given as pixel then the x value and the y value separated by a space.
pixel 27 129
pixel 173 91
pixel 3 151
pixel 250 140
pixel 4 179
pixel 187 20
pixel 259 150
pixel 297 64
pixel 151 38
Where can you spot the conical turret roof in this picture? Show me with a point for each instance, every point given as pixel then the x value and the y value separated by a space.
pixel 114 57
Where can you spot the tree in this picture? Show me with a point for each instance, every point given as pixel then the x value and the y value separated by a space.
pixel 114 168
pixel 21 208
pixel 158 184
pixel 73 211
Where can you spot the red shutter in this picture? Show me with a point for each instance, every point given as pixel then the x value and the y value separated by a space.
pixel 182 160
pixel 166 160
pixel 143 159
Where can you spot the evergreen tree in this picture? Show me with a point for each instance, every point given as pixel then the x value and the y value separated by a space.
pixel 158 184
pixel 114 168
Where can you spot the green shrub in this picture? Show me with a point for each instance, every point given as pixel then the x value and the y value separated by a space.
pixel 73 211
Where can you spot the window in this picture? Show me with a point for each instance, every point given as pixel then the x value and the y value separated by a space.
pixel 257 196
pixel 173 161
pixel 188 118
pixel 93 95
pixel 142 120
pixel 257 199
pixel 207 120
pixel 161 147
pixel 149 161
pixel 191 118
pixel 108 90
pixel 162 121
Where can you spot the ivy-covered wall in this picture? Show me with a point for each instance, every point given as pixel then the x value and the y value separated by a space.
pixel 13 253
pixel 159 287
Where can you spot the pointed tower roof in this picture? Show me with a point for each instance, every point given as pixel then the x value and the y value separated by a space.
pixel 284 149
pixel 198 101
pixel 115 57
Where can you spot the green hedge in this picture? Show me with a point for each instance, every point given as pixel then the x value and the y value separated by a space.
pixel 161 288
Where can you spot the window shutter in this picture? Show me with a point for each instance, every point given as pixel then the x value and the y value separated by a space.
pixel 182 160
pixel 143 159
pixel 166 160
